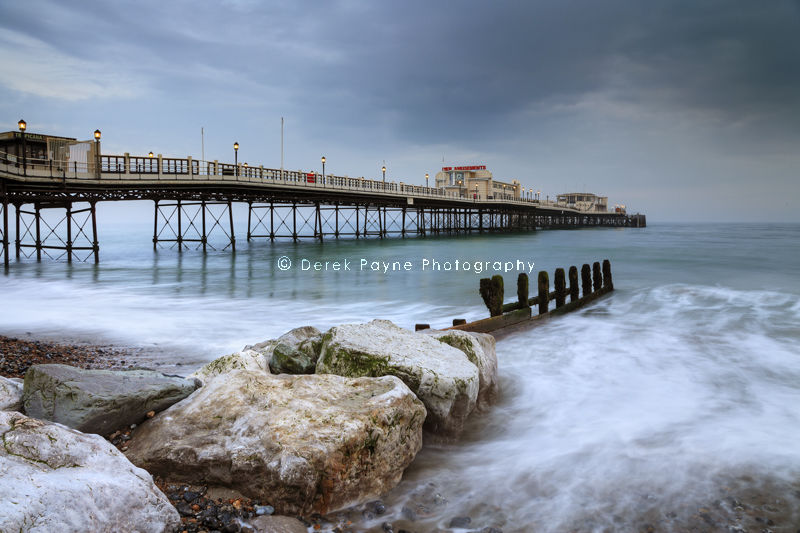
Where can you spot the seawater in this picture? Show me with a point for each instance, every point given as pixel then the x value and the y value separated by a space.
pixel 635 410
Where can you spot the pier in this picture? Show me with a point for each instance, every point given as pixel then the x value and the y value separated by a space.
pixel 193 199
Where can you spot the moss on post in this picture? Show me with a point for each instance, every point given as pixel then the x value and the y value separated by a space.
pixel 561 288
pixel 597 278
pixel 608 283
pixel 544 290
pixel 574 289
pixel 586 280
pixel 522 289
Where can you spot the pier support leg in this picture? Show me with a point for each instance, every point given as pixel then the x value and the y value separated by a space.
pixel 180 228
pixel 5 228
pixel 294 221
pixel 249 217
pixel 204 236
pixel 336 229
pixel 155 227
pixel 38 231
pixel 357 225
pixel 18 238
pixel 230 218
pixel 69 232
pixel 95 242
pixel 272 221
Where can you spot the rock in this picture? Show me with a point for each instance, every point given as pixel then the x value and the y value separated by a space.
pixel 296 352
pixel 264 510
pixel 278 524
pixel 10 395
pixel 440 375
pixel 480 350
pixel 58 479
pixel 303 443
pixel 244 360
pixel 99 401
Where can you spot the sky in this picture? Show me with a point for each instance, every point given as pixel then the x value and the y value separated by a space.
pixel 683 110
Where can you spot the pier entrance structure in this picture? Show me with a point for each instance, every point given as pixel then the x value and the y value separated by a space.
pixel 194 198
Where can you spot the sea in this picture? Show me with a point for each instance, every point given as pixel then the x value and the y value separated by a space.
pixel 672 404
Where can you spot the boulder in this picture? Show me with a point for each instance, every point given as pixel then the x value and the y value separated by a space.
pixel 58 479
pixel 305 443
pixel 480 350
pixel 440 375
pixel 10 395
pixel 294 352
pixel 99 401
pixel 244 360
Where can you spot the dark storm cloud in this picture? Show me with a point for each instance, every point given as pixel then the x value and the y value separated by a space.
pixel 456 70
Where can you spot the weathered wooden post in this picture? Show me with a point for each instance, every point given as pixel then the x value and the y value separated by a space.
pixel 544 290
pixel 574 289
pixel 459 321
pixel 561 288
pixel 586 280
pixel 597 278
pixel 607 281
pixel 522 290
pixel 492 293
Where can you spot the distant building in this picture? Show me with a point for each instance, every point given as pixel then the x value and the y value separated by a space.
pixel 583 201
pixel 476 182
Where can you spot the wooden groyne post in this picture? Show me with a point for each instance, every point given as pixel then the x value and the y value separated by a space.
pixel 595 281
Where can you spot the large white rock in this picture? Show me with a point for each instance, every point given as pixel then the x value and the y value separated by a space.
pixel 244 360
pixel 53 478
pixel 440 375
pixel 302 443
pixel 480 350
pixel 10 395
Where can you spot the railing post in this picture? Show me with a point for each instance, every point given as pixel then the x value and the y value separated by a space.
pixel 127 163
pixel 216 167
pixel 160 158
pixel 189 170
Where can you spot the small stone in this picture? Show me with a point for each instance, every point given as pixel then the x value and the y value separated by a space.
pixel 150 414
pixel 387 527
pixel 460 521
pixel 264 510
pixel 378 507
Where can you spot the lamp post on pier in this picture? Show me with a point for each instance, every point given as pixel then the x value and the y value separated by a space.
pixel 323 169
pixel 426 179
pixel 22 126
pixel 383 169
pixel 236 158
pixel 97 135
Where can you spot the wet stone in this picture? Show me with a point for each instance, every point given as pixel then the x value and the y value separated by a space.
pixel 460 521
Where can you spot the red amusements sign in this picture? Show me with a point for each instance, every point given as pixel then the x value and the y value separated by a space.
pixel 476 167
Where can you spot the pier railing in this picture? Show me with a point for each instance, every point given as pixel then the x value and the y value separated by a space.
pixel 145 168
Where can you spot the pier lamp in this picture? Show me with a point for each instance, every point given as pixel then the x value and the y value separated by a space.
pixel 505 194
pixel 426 179
pixel 383 169
pixel 323 169
pixel 236 157
pixel 22 127
pixel 150 154
pixel 537 195
pixel 476 191
pixel 97 150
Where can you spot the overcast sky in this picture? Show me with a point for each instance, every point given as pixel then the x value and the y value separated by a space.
pixel 683 110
